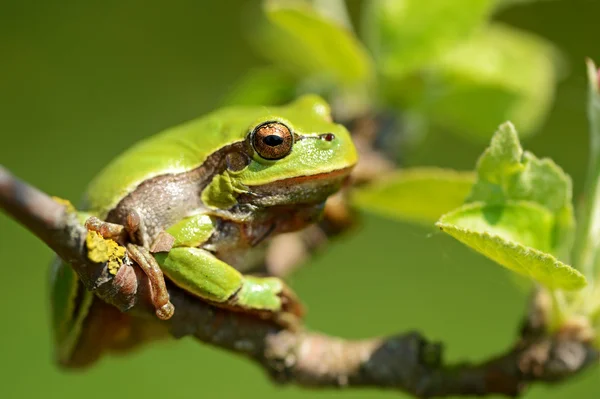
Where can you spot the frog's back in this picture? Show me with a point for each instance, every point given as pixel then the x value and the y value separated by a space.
pixel 173 151
pixel 187 147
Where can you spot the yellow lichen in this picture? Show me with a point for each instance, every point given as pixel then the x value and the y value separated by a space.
pixel 102 250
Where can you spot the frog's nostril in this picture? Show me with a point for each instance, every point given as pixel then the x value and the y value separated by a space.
pixel 328 136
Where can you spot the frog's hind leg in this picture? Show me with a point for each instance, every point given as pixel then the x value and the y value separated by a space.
pixel 160 295
pixel 201 274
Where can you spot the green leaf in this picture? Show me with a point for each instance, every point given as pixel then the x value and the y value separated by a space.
pixel 419 195
pixel 519 213
pixel 506 173
pixel 524 222
pixel 262 86
pixel 515 235
pixel 307 44
pixel 499 74
pixel 405 35
pixel 499 161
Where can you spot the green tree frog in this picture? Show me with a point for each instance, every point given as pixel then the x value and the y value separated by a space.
pixel 194 203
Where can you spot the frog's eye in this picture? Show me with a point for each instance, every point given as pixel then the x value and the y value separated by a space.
pixel 272 140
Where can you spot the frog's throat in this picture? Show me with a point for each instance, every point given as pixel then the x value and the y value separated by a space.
pixel 311 189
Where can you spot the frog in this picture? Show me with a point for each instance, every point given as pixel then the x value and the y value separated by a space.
pixel 194 206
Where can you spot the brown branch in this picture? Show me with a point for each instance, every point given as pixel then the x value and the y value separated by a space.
pixel 406 363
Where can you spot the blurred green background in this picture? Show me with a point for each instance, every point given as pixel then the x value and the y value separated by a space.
pixel 81 81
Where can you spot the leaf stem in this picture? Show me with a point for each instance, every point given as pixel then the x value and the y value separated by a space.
pixel 587 244
pixel 559 311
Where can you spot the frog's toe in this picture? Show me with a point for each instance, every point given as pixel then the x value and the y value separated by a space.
pixel 105 229
pixel 166 311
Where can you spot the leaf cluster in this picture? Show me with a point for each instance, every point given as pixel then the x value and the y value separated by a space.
pixel 445 66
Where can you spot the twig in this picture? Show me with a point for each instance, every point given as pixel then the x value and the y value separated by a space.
pixel 406 363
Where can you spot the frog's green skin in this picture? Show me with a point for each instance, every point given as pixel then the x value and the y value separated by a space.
pixel 206 184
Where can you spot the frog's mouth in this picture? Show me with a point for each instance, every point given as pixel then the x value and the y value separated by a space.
pixel 312 189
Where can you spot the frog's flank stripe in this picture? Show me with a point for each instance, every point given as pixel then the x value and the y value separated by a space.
pixel 194 180
pixel 167 198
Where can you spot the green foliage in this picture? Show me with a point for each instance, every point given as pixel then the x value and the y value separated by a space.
pixel 519 213
pixel 307 44
pixel 496 75
pixel 419 195
pixel 523 221
pixel 505 172
pixel 443 63
pixel 510 234
pixel 404 35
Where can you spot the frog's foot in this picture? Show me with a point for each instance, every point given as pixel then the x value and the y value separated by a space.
pixel 270 298
pixel 160 296
pixel 290 302
pixel 107 230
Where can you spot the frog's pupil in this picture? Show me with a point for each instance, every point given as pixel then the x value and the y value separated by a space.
pixel 273 140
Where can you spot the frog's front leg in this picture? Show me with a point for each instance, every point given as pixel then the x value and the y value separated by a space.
pixel 200 273
pixel 164 309
pixel 141 255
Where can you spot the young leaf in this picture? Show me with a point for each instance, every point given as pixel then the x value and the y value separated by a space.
pixel 305 43
pixel 502 232
pixel 419 195
pixel 519 213
pixel 521 221
pixel 505 172
pixel 405 35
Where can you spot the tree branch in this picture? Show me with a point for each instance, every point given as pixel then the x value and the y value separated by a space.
pixel 407 363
